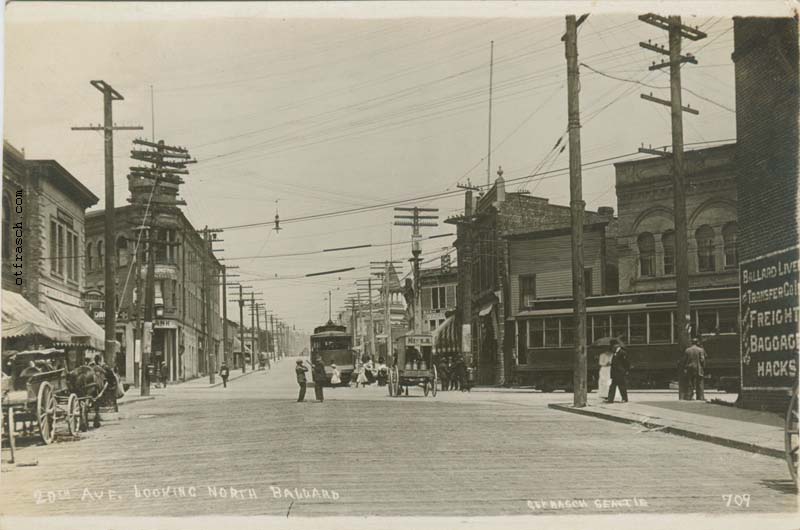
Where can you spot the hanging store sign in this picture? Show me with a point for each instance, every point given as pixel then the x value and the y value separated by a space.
pixel 165 324
pixel 419 340
pixel 769 314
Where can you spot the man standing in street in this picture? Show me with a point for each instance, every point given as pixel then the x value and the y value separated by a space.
pixel 301 370
pixel 620 366
pixel 318 374
pixel 694 362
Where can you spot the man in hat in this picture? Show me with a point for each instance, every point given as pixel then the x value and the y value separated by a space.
pixel 224 373
pixel 319 377
pixel 620 366
pixel 694 362
pixel 300 370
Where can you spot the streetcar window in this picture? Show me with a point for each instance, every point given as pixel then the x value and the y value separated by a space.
pixel 728 320
pixel 567 331
pixel 660 327
pixel 536 333
pixel 619 327
pixel 600 326
pixel 638 328
pixel 551 332
pixel 706 321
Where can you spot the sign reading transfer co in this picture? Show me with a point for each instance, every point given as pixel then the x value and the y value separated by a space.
pixel 769 315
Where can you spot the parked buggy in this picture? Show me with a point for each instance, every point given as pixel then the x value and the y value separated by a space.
pixel 792 433
pixel 413 366
pixel 36 393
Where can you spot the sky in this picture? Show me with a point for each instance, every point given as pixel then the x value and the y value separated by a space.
pixel 306 111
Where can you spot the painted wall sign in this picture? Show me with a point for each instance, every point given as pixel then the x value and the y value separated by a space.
pixel 769 314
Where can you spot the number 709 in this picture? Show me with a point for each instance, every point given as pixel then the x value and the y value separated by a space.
pixel 737 500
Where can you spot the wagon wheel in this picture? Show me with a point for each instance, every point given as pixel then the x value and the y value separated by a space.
pixel 435 381
pixel 396 379
pixel 390 384
pixel 791 435
pixel 426 387
pixel 73 415
pixel 83 416
pixel 46 412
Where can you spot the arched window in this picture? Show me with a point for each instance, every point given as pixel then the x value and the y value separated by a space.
pixel 88 257
pixel 100 262
pixel 6 227
pixel 668 243
pixel 729 239
pixel 647 254
pixel 705 248
pixel 122 251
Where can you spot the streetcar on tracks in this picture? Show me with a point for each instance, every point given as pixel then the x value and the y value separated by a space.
pixel 334 345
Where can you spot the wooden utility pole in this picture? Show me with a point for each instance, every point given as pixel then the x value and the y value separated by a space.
pixel 110 263
pixel 415 221
pixel 210 364
pixel 252 330
pixel 676 32
pixel 272 336
pixel 489 149
pixel 371 321
pixel 241 327
pixel 225 353
pixel 577 206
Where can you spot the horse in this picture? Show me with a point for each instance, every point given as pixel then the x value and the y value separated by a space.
pixel 88 381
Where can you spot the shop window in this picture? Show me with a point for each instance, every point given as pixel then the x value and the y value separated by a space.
pixel 660 327
pixel 647 254
pixel 638 328
pixel 536 333
pixel 729 240
pixel 527 289
pixel 551 333
pixel 668 243
pixel 705 248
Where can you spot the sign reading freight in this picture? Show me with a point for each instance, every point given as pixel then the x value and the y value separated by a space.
pixel 769 315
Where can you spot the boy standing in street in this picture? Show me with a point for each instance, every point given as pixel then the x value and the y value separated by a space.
pixel 301 370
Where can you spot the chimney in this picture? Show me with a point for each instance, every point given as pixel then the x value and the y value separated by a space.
pixel 500 186
pixel 468 204
pixel 606 211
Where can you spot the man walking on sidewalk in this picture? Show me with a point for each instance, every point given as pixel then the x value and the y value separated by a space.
pixel 694 361
pixel 620 366
pixel 300 370
pixel 224 373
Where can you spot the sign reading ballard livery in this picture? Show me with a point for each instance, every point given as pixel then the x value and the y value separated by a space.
pixel 769 315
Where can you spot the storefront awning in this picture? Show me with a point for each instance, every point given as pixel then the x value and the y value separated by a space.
pixel 445 338
pixel 20 317
pixel 82 329
pixel 237 345
pixel 485 310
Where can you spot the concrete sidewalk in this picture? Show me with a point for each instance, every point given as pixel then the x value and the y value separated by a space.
pixel 747 430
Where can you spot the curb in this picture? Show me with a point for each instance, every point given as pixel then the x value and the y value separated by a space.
pixel 135 400
pixel 718 440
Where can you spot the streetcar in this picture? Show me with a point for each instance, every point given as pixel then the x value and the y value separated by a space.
pixel 646 323
pixel 334 345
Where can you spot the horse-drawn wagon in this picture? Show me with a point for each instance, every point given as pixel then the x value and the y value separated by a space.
pixel 38 391
pixel 413 365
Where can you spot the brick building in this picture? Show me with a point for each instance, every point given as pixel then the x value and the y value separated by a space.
pixel 767 90
pixel 180 288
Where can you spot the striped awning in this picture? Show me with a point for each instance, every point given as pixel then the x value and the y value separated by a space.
pixel 445 337
pixel 82 329
pixel 20 317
